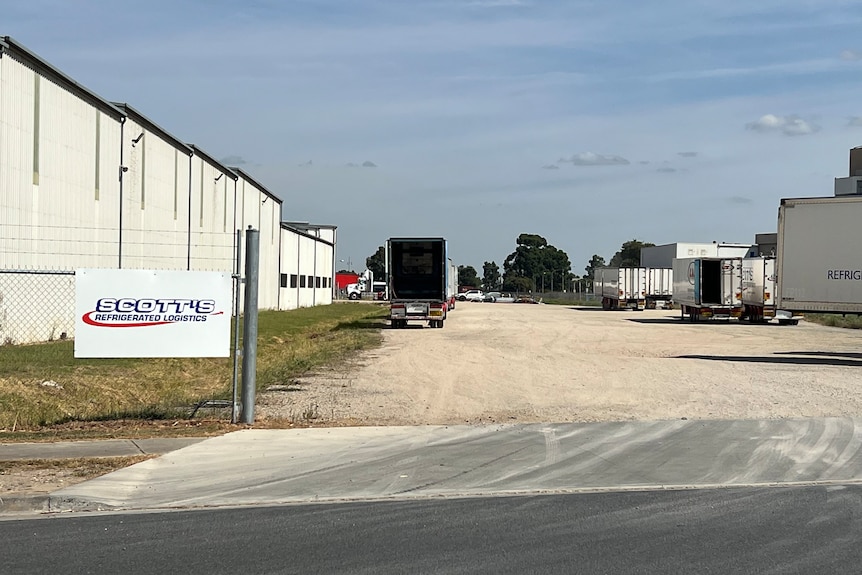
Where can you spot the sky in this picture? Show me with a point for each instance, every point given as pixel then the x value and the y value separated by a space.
pixel 588 122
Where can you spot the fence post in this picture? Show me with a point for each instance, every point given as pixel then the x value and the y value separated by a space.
pixel 237 284
pixel 249 328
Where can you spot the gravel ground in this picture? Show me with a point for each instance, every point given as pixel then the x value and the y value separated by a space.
pixel 544 363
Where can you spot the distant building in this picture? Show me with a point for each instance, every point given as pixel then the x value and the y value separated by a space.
pixel 662 256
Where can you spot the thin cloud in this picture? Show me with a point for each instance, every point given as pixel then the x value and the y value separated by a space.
pixel 593 159
pixel 305 164
pixel 496 3
pixel 687 154
pixel 666 170
pixel 551 167
pixel 352 165
pixel 368 164
pixel 787 125
pixel 233 161
pixel 851 55
pixel 855 121
pixel 740 200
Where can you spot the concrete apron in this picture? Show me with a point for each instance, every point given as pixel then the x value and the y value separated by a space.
pixel 254 467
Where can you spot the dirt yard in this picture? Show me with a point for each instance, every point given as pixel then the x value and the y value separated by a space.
pixel 543 363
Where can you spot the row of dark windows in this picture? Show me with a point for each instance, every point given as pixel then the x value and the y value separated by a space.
pixel 306 281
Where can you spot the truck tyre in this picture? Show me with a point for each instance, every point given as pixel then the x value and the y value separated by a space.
pixel 353 296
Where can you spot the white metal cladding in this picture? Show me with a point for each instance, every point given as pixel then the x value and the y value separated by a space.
pixel 58 202
pixel 323 270
pixel 261 211
pixel 155 201
pixel 213 227
pixel 306 263
pixel 289 296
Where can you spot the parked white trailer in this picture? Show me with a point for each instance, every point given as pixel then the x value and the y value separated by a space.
pixel 659 289
pixel 621 288
pixel 708 287
pixel 452 285
pixel 819 256
pixel 760 292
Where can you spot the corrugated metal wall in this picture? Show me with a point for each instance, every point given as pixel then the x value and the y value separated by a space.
pixel 155 201
pixel 58 160
pixel 212 222
pixel 306 264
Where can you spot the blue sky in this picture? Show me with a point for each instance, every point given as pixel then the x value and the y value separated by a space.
pixel 587 122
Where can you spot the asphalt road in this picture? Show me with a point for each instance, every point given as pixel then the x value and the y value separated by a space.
pixel 747 530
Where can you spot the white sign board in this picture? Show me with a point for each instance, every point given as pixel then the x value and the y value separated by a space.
pixel 147 313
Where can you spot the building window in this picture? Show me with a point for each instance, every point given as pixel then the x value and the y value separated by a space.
pixel 284 280
pixel 310 281
pixel 301 281
pixel 294 279
pixel 317 281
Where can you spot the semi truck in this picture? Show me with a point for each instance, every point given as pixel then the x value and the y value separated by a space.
pixel 819 260
pixel 760 292
pixel 418 271
pixel 621 288
pixel 707 288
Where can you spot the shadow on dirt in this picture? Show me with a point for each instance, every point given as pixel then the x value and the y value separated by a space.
pixel 776 359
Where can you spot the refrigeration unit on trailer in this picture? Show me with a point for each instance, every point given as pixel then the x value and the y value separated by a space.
pixel 418 284
pixel 621 288
pixel 659 288
pixel 707 288
pixel 760 292
pixel 819 257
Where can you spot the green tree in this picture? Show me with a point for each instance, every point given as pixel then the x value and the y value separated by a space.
pixel 596 261
pixel 490 276
pixel 518 285
pixel 376 262
pixel 538 261
pixel 467 276
pixel 629 255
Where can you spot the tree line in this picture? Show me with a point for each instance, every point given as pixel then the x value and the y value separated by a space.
pixel 534 266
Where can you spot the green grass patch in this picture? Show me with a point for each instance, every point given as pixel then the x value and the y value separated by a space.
pixel 43 385
pixel 835 320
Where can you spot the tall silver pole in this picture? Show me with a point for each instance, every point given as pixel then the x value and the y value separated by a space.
pixel 249 331
pixel 237 283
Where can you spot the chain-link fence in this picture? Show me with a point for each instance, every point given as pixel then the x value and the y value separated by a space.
pixel 36 306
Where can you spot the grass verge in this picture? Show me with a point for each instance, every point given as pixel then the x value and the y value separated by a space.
pixel 835 320
pixel 43 386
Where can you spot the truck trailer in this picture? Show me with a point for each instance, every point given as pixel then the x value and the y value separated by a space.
pixel 621 288
pixel 819 256
pixel 760 292
pixel 418 280
pixel 451 285
pixel 659 289
pixel 707 288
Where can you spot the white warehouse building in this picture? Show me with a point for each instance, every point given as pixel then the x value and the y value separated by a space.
pixel 86 183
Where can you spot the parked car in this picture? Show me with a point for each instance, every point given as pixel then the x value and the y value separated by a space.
pixel 492 296
pixel 472 295
pixel 525 299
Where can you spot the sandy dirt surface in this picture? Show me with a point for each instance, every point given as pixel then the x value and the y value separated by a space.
pixel 544 363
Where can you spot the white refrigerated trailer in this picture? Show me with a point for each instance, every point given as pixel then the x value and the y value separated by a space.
pixel 659 288
pixel 819 254
pixel 706 288
pixel 621 288
pixel 760 292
